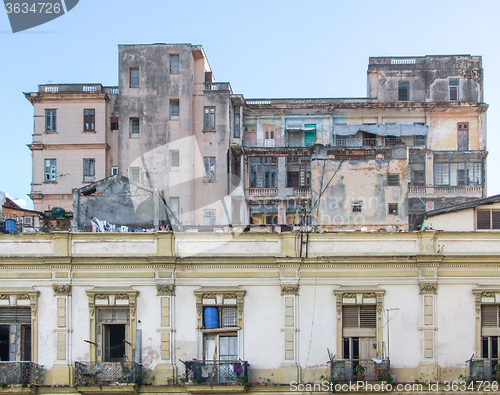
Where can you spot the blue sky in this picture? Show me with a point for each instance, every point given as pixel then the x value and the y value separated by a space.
pixel 272 48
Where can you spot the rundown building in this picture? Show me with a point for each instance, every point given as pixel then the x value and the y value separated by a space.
pixel 219 158
pixel 217 313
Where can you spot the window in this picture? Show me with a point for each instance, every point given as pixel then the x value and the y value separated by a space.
pixel 134 127
pixel 174 109
pixel 490 331
pixel 458 169
pixel 403 91
pixel 209 217
pixel 15 334
pixel 487 219
pixel 50 120
pixel 50 170
pixel 209 118
pixel 134 77
pixel 393 209
pixel 114 171
pixel 419 140
pixel 269 135
pixel 112 325
pixel 454 90
pixel 175 207
pixel 133 174
pixel 393 180
pixel 174 160
pixel 263 172
pixel 298 171
pixel 236 133
pixel 209 169
pixel 174 63
pixel 89 170
pixel 358 334
pixel 89 120
pixel 220 318
pixel 462 136
pixel 357 205
pixel 114 123
pixel 417 170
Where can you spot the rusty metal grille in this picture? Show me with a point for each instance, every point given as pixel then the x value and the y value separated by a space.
pixel 220 372
pixel 482 369
pixel 105 373
pixel 21 373
pixel 345 369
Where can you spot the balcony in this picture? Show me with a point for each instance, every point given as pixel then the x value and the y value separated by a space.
pixel 483 369
pixel 302 192
pixel 475 191
pixel 25 373
pixel 262 192
pixel 347 370
pixel 217 372
pixel 218 87
pixel 106 373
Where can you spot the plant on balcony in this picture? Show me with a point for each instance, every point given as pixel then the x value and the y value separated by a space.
pixel 360 372
pixel 497 371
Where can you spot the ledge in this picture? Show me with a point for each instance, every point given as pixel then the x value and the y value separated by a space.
pixel 215 389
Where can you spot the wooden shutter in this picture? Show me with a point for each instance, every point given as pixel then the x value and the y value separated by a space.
pixel 483 219
pixel 17 315
pixel 490 320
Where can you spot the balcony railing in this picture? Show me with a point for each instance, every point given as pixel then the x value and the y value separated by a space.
pixel 216 372
pixel 218 86
pixel 460 190
pixel 346 369
pixel 262 192
pixel 482 369
pixel 27 373
pixel 105 373
pixel 302 192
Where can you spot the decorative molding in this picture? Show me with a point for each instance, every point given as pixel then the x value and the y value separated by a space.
pixel 101 296
pixel 428 288
pixel 369 295
pixel 488 294
pixel 61 289
pixel 348 295
pixel 4 297
pixel 165 289
pixel 289 289
pixel 224 293
pixel 23 297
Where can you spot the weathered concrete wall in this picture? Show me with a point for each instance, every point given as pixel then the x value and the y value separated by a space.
pixel 116 201
pixel 428 76
pixel 340 183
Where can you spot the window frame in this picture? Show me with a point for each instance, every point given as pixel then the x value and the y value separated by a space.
pixel 209 169
pixel 135 129
pixel 393 180
pixel 454 86
pixel 88 167
pixel 493 218
pixel 49 175
pixel 174 66
pixel 50 120
pixel 393 208
pixel 209 217
pixel 174 109
pixel 209 120
pixel 357 206
pixel 89 120
pixel 134 78
pixel 403 90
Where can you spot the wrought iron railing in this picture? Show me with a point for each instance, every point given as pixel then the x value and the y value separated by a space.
pixel 27 373
pixel 483 369
pixel 348 370
pixel 105 373
pixel 216 372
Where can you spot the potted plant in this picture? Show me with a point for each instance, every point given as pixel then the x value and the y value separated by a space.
pixel 360 372
pixel 497 371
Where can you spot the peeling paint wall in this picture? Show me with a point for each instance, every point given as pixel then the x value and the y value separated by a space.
pixel 359 181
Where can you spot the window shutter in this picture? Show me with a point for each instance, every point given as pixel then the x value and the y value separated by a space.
pixel 15 316
pixel 489 315
pixel 350 317
pixel 495 219
pixel 367 317
pixel 483 219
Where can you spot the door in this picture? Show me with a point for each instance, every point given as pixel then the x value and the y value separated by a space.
pixel 309 135
pixel 463 136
